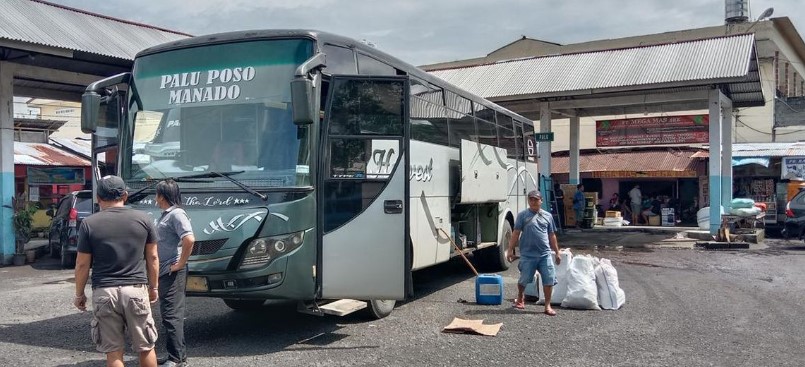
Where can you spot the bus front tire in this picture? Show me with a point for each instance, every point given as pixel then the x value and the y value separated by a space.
pixel 244 304
pixel 379 308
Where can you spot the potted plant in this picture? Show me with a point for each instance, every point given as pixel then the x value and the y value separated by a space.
pixel 23 221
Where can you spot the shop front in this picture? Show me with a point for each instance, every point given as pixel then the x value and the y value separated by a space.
pixel 769 173
pixel 668 179
pixel 44 174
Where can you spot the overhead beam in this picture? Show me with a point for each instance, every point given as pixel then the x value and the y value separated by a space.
pixel 611 111
pixel 53 75
pixel 620 101
pixel 59 95
pixel 616 110
pixel 35 48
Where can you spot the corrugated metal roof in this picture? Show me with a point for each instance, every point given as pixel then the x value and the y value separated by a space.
pixel 691 61
pixel 649 160
pixel 40 154
pixel 54 25
pixel 747 150
pixel 81 147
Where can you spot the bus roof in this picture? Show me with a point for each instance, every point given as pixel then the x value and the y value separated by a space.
pixel 324 37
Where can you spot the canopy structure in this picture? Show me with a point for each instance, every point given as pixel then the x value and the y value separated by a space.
pixel 715 74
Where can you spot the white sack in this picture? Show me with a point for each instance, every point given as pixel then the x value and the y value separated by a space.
pixel 582 292
pixel 533 290
pixel 560 288
pixel 610 294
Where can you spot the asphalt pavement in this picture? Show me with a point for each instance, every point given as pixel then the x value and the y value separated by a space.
pixel 684 306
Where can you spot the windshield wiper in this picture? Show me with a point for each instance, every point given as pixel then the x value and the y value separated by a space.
pixel 226 175
pixel 234 181
pixel 193 178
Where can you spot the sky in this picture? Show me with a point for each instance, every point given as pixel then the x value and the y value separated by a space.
pixel 425 32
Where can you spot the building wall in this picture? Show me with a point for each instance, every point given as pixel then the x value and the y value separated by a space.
pixel 63 111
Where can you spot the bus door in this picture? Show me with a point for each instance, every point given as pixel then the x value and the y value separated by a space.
pixel 364 184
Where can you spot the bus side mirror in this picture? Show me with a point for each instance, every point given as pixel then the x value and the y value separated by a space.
pixel 90 109
pixel 303 102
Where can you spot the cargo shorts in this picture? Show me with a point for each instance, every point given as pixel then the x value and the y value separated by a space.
pixel 118 309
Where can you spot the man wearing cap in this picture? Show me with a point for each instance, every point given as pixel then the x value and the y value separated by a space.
pixel 120 244
pixel 535 232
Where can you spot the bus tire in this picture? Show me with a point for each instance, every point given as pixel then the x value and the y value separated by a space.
pixel 244 304
pixel 379 308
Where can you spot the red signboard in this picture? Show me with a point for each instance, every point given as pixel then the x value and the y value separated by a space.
pixel 653 131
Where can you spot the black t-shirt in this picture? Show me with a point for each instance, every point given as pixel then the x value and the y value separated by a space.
pixel 116 238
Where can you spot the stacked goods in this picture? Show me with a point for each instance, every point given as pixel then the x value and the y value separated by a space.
pixel 570 214
pixel 744 208
pixel 613 218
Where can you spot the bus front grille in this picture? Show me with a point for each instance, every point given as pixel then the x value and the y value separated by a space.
pixel 208 247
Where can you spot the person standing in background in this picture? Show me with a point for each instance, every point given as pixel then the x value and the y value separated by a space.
pixel 175 240
pixel 637 200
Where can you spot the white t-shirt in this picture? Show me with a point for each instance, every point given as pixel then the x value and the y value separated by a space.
pixel 636 195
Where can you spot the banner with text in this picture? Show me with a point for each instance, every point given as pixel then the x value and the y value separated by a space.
pixel 793 168
pixel 652 131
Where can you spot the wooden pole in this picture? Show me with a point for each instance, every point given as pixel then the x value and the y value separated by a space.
pixel 460 252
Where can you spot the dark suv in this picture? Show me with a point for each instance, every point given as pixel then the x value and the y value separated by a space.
pixel 795 217
pixel 63 234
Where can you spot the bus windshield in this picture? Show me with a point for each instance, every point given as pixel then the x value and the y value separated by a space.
pixel 219 108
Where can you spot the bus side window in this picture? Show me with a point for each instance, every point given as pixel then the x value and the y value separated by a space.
pixel 428 122
pixel 370 66
pixel 340 60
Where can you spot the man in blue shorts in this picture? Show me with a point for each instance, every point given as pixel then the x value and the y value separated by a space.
pixel 535 232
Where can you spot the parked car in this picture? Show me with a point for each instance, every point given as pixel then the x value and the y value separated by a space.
pixel 795 217
pixel 67 217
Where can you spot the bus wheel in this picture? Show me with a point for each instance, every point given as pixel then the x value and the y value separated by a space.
pixel 380 308
pixel 244 304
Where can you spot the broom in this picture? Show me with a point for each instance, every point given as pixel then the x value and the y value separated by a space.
pixel 460 252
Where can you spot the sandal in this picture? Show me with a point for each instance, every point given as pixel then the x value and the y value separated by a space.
pixel 520 305
pixel 550 313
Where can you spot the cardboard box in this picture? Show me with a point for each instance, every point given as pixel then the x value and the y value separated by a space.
pixel 612 214
pixel 654 220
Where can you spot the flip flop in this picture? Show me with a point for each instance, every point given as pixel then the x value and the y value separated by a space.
pixel 550 313
pixel 519 305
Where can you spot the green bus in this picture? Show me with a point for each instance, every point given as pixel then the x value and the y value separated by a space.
pixel 313 167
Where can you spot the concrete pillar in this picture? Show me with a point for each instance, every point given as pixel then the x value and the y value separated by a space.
pixel 574 150
pixel 6 161
pixel 715 159
pixel 544 160
pixel 726 150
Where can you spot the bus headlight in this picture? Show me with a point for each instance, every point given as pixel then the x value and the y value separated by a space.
pixel 263 250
